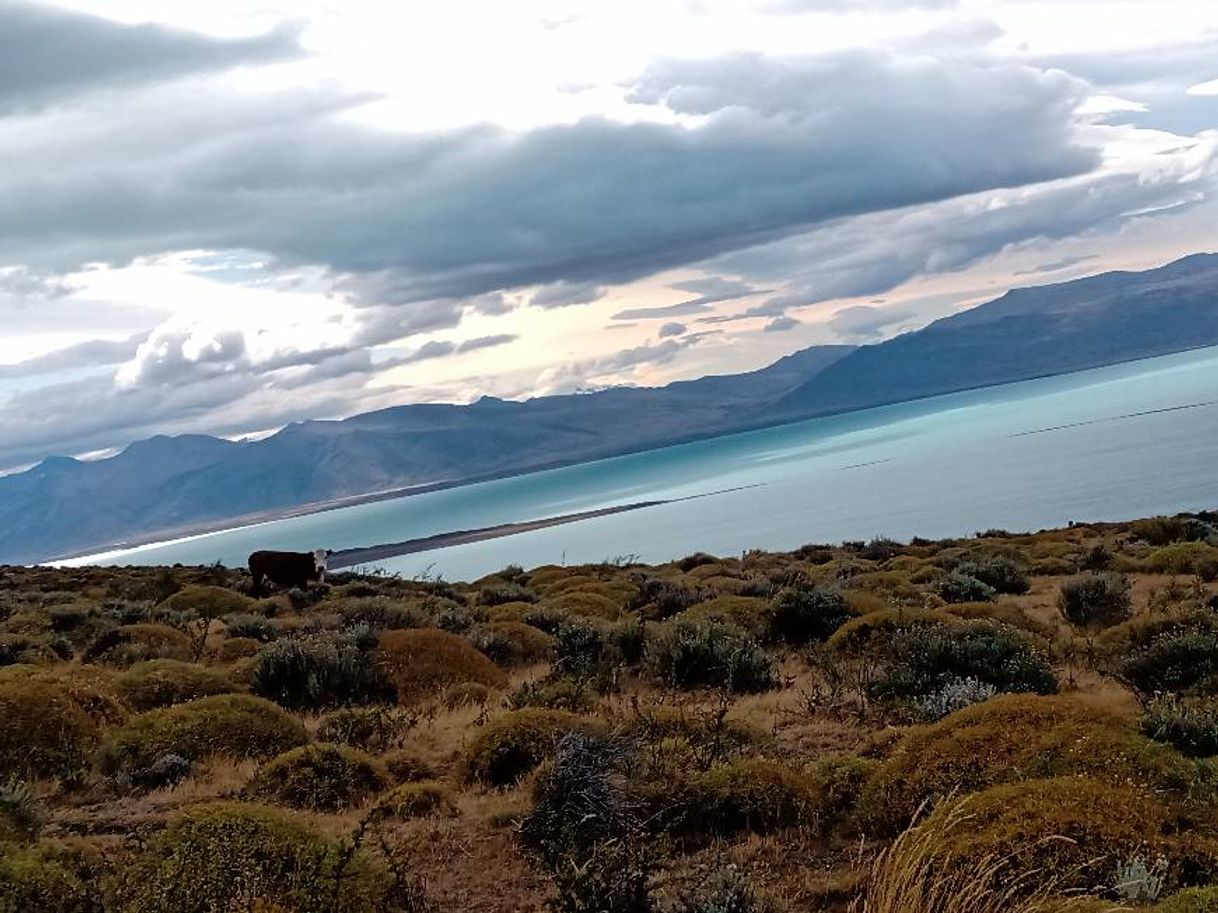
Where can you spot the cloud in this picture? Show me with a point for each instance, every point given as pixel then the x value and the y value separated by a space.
pixel 462 213
pixel 487 342
pixel 1056 266
pixel 91 354
pixel 788 7
pixel 863 323
pixel 564 294
pixel 779 324
pixel 48 54
pixel 672 329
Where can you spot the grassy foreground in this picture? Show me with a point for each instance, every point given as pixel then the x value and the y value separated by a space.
pixel 1001 723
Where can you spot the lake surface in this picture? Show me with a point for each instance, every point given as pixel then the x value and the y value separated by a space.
pixel 1113 443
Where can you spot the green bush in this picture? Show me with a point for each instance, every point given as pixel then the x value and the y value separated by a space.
pixel 1196 558
pixel 130 644
pixel 922 661
pixel 231 725
pixel 1166 530
pixel 693 654
pixel 511 643
pixel 1191 900
pixel 20 812
pixel 60 876
pixel 511 746
pixel 800 615
pixel 319 778
pixel 229 856
pixel 43 731
pixel 1190 725
pixel 380 614
pixel 1178 660
pixel 751 794
pixel 1000 573
pixel 318 671
pixel 958 587
pixel 161 682
pixel 208 601
pixel 255 627
pixel 375 728
pixel 1095 600
pixel 417 799
pixel 613 877
pixel 725 890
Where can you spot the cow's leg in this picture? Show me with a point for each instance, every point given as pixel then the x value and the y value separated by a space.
pixel 257 588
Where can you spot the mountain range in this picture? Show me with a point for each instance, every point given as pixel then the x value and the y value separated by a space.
pixel 169 485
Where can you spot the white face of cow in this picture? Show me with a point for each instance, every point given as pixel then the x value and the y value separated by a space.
pixel 319 561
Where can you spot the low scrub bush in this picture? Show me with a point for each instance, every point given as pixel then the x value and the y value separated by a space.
pixel 228 856
pixel 511 643
pixel 405 767
pixel 512 745
pixel 318 778
pixel 230 725
pixel 500 593
pixel 1166 530
pixel 1179 660
pixel 1198 558
pixel 801 615
pixel 319 671
pixel 375 728
pixel 255 627
pixel 54 876
pixel 208 601
pixel 1190 725
pixel 958 586
pixel 694 654
pixel 1010 739
pixel 422 663
pixel 867 633
pixel 931 662
pixel 725 890
pixel 748 612
pixel 418 799
pixel 161 682
pixel 659 598
pixel 43 731
pixel 1095 600
pixel 130 644
pixel 751 794
pixel 20 812
pixel 379 613
pixel 1000 573
pixel 1190 900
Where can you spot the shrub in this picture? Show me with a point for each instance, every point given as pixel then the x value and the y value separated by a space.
pixel 1002 574
pixel 418 799
pixel 664 598
pixel 375 728
pixel 422 663
pixel 725 890
pixel 1189 725
pixel 232 725
pixel 613 878
pixel 956 694
pixel 751 794
pixel 465 694
pixel 1095 600
pixel 61 876
pixel 961 587
pixel 511 643
pixel 869 632
pixel 318 671
pixel 511 746
pixel 1166 530
pixel 208 601
pixel 924 661
pixel 319 778
pixel 404 767
pixel 129 644
pixel 232 649
pixel 692 654
pixel 161 682
pixel 255 627
pixel 381 614
pixel 227 856
pixel 20 813
pixel 801 615
pixel 1186 558
pixel 1190 900
pixel 43 731
pixel 556 692
pixel 505 592
pixel 1009 739
pixel 1178 660
pixel 748 612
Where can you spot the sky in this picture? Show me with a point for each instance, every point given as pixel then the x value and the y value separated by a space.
pixel 225 217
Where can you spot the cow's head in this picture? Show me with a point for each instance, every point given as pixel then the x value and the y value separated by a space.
pixel 320 555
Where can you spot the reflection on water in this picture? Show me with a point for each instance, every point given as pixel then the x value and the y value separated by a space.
pixel 1112 443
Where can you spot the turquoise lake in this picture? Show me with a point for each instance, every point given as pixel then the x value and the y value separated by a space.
pixel 1112 443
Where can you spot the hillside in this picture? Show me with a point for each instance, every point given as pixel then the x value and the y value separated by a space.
pixel 751 734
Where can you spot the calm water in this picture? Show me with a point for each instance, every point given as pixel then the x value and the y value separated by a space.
pixel 1021 456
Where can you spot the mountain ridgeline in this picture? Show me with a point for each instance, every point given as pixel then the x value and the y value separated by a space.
pixel 168 485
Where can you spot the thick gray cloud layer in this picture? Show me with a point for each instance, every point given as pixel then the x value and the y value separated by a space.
pixel 48 54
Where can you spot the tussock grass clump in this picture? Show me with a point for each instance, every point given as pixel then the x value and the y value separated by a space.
pixel 1190 725
pixel 422 663
pixel 1010 739
pixel 1197 558
pixel 747 612
pixel 240 856
pixel 43 731
pixel 406 767
pixel 513 745
pixel 862 634
pixel 318 778
pixel 161 682
pixel 1190 900
pixel 230 725
pixel 697 654
pixel 418 799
